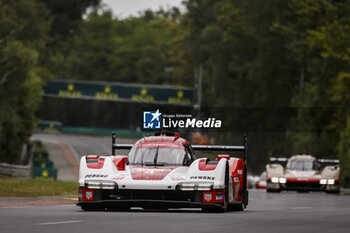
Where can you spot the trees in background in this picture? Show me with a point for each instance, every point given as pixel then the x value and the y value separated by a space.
pixel 263 54
pixel 24 27
pixel 147 49
pixel 27 30
pixel 276 69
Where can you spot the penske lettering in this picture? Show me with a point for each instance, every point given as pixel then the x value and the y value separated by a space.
pixel 202 178
pixel 95 176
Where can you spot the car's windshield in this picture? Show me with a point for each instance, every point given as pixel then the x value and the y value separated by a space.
pixel 302 164
pixel 158 156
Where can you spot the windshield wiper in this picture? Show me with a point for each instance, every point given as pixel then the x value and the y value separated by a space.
pixel 156 156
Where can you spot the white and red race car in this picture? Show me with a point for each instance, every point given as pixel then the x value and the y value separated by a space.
pixel 303 173
pixel 162 172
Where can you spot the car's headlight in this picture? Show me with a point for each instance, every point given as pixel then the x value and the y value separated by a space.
pixel 187 187
pixel 274 179
pixel 108 185
pixel 94 184
pixel 282 180
pixel 323 181
pixel 204 186
pixel 195 186
pixel 331 181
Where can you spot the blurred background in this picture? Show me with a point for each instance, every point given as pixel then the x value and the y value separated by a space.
pixel 277 70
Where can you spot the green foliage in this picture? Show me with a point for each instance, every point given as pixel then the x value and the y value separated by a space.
pixel 318 40
pixel 279 69
pixel 36 187
pixel 344 155
pixel 26 31
pixel 147 49
pixel 341 123
pixel 23 36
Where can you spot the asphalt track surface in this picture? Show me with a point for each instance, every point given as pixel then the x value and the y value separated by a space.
pixel 267 212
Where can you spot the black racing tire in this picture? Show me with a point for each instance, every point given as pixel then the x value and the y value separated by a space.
pixel 236 207
pixel 245 187
pixel 333 192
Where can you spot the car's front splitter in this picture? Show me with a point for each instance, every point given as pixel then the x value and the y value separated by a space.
pixel 147 204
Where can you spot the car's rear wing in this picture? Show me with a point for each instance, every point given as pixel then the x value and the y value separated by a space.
pixel 328 161
pixel 223 148
pixel 324 161
pixel 195 147
pixel 280 159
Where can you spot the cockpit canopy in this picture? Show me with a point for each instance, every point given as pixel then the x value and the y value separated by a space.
pixel 161 151
pixel 303 165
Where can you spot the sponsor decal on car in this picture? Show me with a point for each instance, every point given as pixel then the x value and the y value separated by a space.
pixel 221 197
pixel 118 178
pixel 208 197
pixel 202 178
pixel 88 195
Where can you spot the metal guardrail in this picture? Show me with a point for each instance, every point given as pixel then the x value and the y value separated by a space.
pixel 12 170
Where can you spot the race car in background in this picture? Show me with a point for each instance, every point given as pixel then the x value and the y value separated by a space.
pixel 261 184
pixel 303 173
pixel 252 180
pixel 162 172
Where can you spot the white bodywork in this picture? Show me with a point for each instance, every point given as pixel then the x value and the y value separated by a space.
pixel 109 172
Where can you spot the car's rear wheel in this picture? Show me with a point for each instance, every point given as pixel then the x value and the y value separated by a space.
pixel 273 190
pixel 236 207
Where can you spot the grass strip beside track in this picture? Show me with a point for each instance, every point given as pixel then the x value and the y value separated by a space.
pixel 36 187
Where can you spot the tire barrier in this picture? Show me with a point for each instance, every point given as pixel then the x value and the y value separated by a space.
pixel 42 165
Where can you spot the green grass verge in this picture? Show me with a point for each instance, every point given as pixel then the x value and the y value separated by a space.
pixel 36 187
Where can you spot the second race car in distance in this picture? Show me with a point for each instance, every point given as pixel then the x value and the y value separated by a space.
pixel 162 172
pixel 261 184
pixel 303 173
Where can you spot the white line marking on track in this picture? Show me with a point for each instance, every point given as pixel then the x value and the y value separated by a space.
pixel 54 223
pixel 301 208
